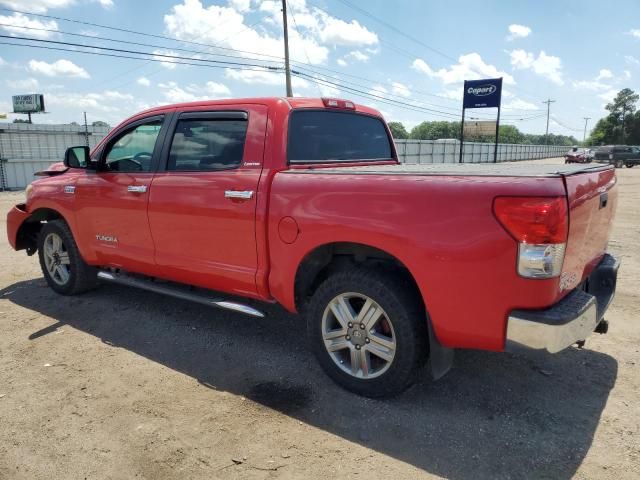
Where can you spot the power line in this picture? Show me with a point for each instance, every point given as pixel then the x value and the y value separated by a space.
pixel 61 49
pixel 133 52
pixel 133 32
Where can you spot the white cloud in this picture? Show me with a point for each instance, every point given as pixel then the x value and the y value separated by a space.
pixel 594 85
pixel 225 26
pixel 630 59
pixel 106 3
pixel 13 23
pixel 454 93
pixel 627 75
pixel 340 62
pixel 59 68
pixel 2 62
pixel 357 55
pixel 604 73
pixel 36 6
pixel 634 32
pixel 544 65
pixel 609 95
pixel 144 81
pixel 400 89
pixel 26 84
pixel 240 5
pixel 469 67
pixel 350 34
pixel 518 31
pixel 264 77
pixel 518 104
pixel 194 92
pixel 167 62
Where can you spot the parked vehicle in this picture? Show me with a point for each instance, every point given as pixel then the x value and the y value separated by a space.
pixel 577 155
pixel 302 202
pixel 618 155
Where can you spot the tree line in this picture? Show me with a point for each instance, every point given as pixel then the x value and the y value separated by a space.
pixel 622 125
pixel 507 134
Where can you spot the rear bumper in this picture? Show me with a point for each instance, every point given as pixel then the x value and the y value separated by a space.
pixel 570 320
pixel 15 218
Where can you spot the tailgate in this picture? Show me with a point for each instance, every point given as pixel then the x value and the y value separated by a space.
pixel 592 197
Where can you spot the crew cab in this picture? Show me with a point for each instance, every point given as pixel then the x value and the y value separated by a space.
pixel 618 155
pixel 303 202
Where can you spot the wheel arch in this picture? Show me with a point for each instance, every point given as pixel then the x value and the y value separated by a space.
pixel 27 234
pixel 324 259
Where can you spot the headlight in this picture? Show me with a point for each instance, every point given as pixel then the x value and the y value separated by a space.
pixel 27 192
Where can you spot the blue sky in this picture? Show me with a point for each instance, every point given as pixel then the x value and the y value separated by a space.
pixel 579 53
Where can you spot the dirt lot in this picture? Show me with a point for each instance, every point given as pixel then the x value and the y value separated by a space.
pixel 121 383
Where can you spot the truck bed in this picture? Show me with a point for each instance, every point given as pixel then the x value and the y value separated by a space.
pixel 464 169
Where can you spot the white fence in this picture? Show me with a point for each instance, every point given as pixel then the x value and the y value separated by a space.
pixel 448 151
pixel 27 148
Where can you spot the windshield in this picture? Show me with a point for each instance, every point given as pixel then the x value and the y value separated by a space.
pixel 321 136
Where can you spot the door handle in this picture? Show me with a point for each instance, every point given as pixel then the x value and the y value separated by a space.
pixel 238 194
pixel 137 189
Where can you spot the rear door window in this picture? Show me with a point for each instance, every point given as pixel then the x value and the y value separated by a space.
pixel 207 144
pixel 321 136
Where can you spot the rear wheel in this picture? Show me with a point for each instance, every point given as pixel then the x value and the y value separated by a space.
pixel 368 331
pixel 62 266
pixel 630 165
pixel 619 164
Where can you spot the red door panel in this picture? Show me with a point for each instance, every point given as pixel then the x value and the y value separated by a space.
pixel 204 235
pixel 112 222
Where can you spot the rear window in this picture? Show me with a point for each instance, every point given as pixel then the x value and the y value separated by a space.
pixel 321 136
pixel 604 149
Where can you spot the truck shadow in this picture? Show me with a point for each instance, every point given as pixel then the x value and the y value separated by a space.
pixel 493 416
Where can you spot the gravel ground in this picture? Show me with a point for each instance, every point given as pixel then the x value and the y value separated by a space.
pixel 120 383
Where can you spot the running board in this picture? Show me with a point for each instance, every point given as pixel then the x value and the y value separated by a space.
pixel 123 279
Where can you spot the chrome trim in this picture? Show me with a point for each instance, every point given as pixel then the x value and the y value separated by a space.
pixel 552 338
pixel 137 189
pixel 69 189
pixel 239 194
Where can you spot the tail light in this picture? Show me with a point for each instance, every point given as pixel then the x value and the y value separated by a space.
pixel 540 225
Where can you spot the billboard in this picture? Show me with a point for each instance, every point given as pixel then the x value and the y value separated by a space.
pixel 480 128
pixel 482 93
pixel 32 103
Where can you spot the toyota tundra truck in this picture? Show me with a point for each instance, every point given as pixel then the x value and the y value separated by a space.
pixel 303 202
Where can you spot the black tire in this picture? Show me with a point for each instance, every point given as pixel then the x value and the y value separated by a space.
pixel 630 165
pixel 619 164
pixel 80 277
pixel 405 312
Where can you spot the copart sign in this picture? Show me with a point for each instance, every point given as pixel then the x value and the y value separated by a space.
pixel 482 93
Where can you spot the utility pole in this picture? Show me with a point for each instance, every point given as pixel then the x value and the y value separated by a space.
pixel 86 130
pixel 624 113
pixel 584 137
pixel 287 68
pixel 546 135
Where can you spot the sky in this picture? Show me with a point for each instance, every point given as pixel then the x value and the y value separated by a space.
pixel 407 58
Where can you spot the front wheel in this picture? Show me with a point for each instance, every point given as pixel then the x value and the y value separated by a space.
pixel 630 165
pixel 62 266
pixel 368 330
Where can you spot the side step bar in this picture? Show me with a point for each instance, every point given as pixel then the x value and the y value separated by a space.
pixel 123 279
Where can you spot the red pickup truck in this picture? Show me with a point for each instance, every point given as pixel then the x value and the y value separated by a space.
pixel 302 202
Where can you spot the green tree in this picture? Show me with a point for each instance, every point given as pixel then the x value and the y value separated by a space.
pixel 510 134
pixel 435 130
pixel 398 131
pixel 20 120
pixel 99 123
pixel 622 125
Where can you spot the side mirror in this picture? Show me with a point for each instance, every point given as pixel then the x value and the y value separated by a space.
pixel 77 157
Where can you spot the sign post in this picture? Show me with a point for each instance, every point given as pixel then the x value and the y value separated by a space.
pixel 481 94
